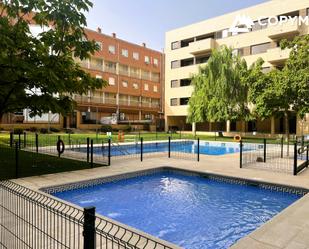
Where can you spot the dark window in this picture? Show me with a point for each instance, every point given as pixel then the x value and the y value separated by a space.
pixel 187 62
pixel 204 59
pixel 185 43
pixel 204 37
pixel 174 83
pixel 260 48
pixel 185 82
pixel 184 101
pixel 257 25
pixel 174 102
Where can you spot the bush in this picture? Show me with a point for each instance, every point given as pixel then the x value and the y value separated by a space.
pixel 18 130
pixel 43 130
pixel 53 129
pixel 69 131
pixel 106 128
pixel 33 129
pixel 127 128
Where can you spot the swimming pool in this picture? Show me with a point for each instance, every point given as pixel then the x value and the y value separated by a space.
pixel 207 148
pixel 188 210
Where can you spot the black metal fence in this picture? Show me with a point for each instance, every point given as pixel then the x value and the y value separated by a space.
pixel 34 220
pixel 278 156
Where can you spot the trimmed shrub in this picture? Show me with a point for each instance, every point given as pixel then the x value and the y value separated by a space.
pixel 106 128
pixel 18 130
pixel 43 130
pixel 33 129
pixel 53 129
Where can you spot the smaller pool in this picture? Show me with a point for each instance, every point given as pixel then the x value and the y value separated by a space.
pixel 206 148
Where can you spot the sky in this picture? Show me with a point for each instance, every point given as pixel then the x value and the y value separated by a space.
pixel 147 21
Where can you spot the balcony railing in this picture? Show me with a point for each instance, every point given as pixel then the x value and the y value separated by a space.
pixel 96 67
pixel 110 69
pixel 124 72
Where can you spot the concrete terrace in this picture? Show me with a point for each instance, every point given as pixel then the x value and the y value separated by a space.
pixel 289 229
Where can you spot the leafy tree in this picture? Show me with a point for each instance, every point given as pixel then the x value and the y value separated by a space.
pixel 278 93
pixel 45 61
pixel 221 88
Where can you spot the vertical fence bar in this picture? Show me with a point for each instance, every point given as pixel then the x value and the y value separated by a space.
pixel 16 159
pixel 240 153
pixel 91 154
pixel 282 147
pixel 141 149
pixel 88 141
pixel 169 147
pixel 198 149
pixel 307 156
pixel 37 142
pixel 109 152
pixel 19 140
pixel 265 144
pixel 89 228
pixel 11 139
pixel 25 139
pixel 58 146
pixel 295 160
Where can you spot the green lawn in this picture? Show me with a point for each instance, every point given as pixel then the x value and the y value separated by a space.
pixel 32 164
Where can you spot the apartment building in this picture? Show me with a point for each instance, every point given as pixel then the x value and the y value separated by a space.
pixel 252 33
pixel 134 92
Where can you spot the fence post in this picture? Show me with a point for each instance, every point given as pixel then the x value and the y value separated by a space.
pixel 88 140
pixel 25 139
pixel 169 147
pixel 240 153
pixel 141 149
pixel 295 160
pixel 198 149
pixel 307 155
pixel 282 147
pixel 59 154
pixel 16 159
pixel 109 152
pixel 37 142
pixel 19 140
pixel 265 144
pixel 89 228
pixel 91 154
pixel 11 139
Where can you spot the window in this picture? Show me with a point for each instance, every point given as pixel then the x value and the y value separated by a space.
pixel 174 102
pixel 185 82
pixel 222 34
pixel 155 62
pixel 135 85
pixel 185 43
pixel 147 59
pixel 155 89
pixel 135 56
pixel 148 117
pixel 187 62
pixel 146 87
pixel 238 51
pixel 184 101
pixel 258 25
pixel 125 52
pixel 124 83
pixel 203 59
pixel 260 48
pixel 111 81
pixel 174 83
pixel 100 45
pixel 112 49
pixel 175 45
pixel 175 64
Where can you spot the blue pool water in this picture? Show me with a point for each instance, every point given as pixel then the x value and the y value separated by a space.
pixel 190 211
pixel 185 147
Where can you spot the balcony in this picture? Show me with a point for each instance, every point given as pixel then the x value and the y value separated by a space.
pixel 277 56
pixel 284 30
pixel 202 46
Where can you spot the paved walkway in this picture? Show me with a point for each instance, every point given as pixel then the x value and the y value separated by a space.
pixel 289 229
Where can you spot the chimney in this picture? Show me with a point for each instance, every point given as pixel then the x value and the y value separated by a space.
pixel 99 30
pixel 144 44
pixel 114 35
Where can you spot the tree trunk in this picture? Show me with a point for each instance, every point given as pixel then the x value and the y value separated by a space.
pixel 287 131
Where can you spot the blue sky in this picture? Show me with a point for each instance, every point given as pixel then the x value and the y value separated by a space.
pixel 147 20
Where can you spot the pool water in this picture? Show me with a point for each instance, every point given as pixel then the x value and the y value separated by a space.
pixel 185 147
pixel 189 211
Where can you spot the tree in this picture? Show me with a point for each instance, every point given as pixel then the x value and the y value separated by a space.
pixel 221 88
pixel 278 93
pixel 45 62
